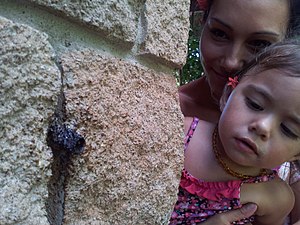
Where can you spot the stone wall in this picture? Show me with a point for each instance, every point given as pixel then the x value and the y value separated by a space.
pixel 90 124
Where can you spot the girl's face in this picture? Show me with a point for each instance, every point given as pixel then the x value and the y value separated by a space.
pixel 260 124
pixel 234 31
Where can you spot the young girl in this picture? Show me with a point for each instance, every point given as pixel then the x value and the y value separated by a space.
pixel 231 163
pixel 234 31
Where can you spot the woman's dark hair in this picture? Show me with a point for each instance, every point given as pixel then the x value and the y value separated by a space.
pixel 283 56
pixel 294 18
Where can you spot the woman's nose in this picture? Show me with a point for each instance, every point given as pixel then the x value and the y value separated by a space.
pixel 262 127
pixel 233 60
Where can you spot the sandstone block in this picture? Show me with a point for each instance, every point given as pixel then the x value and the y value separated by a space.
pixel 29 84
pixel 132 124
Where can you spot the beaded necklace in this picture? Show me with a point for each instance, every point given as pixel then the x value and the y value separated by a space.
pixel 224 165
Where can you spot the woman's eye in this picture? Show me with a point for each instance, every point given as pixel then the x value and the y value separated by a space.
pixel 288 132
pixel 257 45
pixel 253 105
pixel 219 34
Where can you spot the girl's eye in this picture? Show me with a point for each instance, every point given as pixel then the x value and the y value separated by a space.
pixel 218 34
pixel 253 105
pixel 288 132
pixel 257 45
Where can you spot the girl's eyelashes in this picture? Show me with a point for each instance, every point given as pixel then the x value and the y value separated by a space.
pixel 284 128
pixel 253 105
pixel 288 132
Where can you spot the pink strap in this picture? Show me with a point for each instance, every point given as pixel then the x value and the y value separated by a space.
pixel 190 133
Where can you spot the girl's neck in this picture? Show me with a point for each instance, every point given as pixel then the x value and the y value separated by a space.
pixel 229 166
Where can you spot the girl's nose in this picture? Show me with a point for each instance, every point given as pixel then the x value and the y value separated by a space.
pixel 234 59
pixel 262 127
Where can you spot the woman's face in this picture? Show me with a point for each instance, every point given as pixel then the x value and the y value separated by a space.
pixel 234 31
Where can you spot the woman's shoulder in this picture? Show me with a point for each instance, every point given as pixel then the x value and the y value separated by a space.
pixel 195 100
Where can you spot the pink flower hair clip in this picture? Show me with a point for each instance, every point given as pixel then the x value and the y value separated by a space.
pixel 233 82
pixel 202 4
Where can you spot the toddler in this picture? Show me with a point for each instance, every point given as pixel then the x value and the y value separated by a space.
pixel 234 162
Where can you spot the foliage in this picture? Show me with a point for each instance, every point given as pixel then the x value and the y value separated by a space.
pixel 193 68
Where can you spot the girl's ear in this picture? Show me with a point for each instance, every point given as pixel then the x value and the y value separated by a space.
pixel 226 93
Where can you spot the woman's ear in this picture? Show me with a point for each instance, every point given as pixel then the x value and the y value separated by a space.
pixel 223 100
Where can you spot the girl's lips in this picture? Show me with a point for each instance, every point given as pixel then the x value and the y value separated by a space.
pixel 247 145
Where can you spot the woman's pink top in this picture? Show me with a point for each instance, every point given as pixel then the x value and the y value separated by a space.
pixel 198 199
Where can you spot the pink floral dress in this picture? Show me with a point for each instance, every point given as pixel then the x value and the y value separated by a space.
pixel 198 200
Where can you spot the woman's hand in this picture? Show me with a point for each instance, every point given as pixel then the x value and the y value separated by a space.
pixel 228 217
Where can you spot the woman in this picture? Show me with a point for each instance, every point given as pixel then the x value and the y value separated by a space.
pixel 233 31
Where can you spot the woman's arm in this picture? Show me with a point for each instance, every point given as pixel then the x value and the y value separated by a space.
pixel 228 217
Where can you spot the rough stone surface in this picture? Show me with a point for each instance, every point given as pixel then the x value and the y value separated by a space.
pixel 29 84
pixel 132 124
pixel 156 30
pixel 167 30
pixel 128 114
pixel 116 19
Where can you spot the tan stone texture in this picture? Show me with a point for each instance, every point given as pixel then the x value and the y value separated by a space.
pixel 29 84
pixel 157 30
pixel 167 30
pixel 132 124
pixel 116 19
